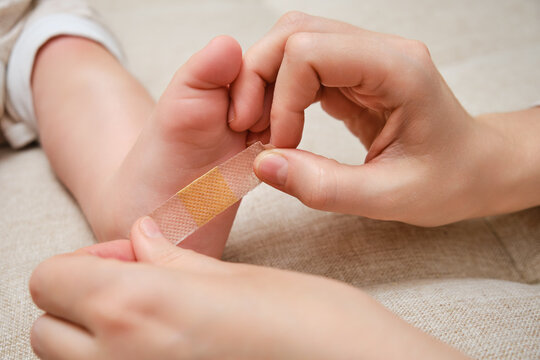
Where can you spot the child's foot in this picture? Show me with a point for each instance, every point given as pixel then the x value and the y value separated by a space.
pixel 186 136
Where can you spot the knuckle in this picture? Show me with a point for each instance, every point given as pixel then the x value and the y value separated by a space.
pixel 250 61
pixel 322 194
pixel 418 69
pixel 293 19
pixel 111 314
pixel 37 278
pixel 116 307
pixel 418 51
pixel 34 284
pixel 300 44
pixel 35 340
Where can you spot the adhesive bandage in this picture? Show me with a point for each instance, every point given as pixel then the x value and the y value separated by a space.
pixel 208 196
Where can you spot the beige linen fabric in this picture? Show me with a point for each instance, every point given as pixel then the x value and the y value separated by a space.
pixel 487 319
pixel 520 235
pixel 472 284
pixel 362 251
pixel 27 187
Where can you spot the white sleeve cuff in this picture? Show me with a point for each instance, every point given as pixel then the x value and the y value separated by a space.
pixel 35 35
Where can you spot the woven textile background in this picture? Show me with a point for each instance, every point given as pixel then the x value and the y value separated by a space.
pixel 473 284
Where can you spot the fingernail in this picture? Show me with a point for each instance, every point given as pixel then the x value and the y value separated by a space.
pixel 272 168
pixel 150 228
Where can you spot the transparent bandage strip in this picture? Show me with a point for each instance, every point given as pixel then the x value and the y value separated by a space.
pixel 208 196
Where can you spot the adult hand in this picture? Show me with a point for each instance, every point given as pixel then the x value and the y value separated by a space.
pixel 177 304
pixel 429 162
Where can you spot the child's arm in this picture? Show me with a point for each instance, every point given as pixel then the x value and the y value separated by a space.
pixel 90 110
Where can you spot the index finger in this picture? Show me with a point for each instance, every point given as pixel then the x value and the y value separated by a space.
pixel 263 60
pixel 370 70
pixel 58 285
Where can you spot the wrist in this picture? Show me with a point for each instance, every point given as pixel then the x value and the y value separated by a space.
pixel 511 161
pixel 342 322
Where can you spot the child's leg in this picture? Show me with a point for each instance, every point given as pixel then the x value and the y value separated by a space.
pixel 117 154
pixel 90 111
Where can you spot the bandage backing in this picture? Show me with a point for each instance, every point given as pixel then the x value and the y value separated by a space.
pixel 208 196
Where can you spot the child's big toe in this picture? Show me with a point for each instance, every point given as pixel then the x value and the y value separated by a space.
pixel 198 96
pixel 215 66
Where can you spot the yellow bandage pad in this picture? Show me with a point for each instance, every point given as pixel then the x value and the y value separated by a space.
pixel 208 196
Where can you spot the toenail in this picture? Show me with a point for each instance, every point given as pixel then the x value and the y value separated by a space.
pixel 272 168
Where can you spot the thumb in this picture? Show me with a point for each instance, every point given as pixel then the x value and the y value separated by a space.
pixel 319 182
pixel 149 245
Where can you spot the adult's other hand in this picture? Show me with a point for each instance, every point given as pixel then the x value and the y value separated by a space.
pixel 429 162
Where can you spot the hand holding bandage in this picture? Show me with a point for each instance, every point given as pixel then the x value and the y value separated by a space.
pixel 145 298
pixel 429 162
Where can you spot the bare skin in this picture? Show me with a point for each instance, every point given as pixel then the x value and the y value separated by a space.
pixel 429 162
pixel 121 158
pixel 120 154
pixel 185 305
pixel 188 306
